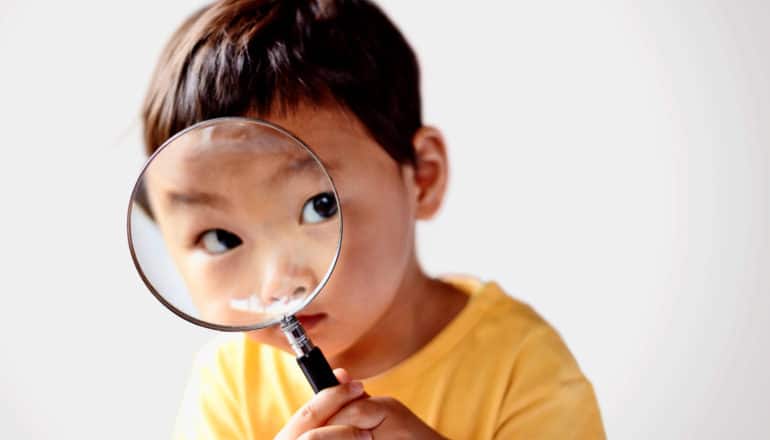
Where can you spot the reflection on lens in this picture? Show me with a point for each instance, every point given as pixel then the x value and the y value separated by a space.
pixel 281 307
pixel 234 223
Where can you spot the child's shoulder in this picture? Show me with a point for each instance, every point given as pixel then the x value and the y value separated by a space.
pixel 509 329
pixel 232 352
pixel 521 355
pixel 491 309
pixel 223 352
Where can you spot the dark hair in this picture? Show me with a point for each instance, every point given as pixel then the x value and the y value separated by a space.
pixel 234 57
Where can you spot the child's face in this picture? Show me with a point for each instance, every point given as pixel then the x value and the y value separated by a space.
pixel 214 245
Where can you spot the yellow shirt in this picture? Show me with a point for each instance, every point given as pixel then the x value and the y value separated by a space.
pixel 496 371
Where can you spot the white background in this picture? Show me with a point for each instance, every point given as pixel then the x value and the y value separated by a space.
pixel 611 166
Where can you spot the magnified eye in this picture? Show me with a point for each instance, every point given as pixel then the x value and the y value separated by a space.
pixel 319 208
pixel 219 241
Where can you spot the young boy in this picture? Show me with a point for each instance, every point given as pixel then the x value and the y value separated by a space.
pixel 417 357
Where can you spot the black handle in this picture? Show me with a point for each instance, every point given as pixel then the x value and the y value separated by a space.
pixel 317 370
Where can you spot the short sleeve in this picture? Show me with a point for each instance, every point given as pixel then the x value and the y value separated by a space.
pixel 548 397
pixel 210 406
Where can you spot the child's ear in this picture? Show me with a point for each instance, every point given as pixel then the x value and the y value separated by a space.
pixel 431 172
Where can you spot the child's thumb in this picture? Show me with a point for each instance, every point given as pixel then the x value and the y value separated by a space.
pixel 342 375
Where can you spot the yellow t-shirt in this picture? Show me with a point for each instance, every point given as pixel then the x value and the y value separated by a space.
pixel 496 371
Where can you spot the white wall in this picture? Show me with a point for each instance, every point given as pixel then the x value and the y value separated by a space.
pixel 611 166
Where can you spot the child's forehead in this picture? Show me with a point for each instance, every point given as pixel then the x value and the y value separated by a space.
pixel 308 141
pixel 335 134
pixel 234 137
pixel 190 165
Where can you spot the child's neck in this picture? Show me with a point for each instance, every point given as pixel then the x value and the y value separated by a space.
pixel 421 308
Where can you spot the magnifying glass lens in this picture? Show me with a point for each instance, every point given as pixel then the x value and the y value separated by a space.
pixel 234 224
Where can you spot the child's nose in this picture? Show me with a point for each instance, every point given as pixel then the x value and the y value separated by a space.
pixel 284 280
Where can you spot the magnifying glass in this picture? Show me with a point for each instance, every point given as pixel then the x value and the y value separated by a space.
pixel 234 225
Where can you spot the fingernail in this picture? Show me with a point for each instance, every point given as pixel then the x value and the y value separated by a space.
pixel 364 435
pixel 356 387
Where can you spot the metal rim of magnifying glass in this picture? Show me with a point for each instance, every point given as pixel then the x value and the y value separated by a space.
pixel 145 279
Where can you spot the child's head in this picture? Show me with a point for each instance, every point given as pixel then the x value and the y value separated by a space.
pixel 340 76
pixel 263 57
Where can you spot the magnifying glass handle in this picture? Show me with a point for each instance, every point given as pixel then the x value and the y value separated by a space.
pixel 309 357
pixel 317 370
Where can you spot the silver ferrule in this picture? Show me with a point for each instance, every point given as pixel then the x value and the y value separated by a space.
pixel 296 335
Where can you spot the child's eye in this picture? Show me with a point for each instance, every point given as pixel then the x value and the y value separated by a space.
pixel 219 241
pixel 319 208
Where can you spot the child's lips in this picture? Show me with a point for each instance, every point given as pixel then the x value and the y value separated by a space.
pixel 310 321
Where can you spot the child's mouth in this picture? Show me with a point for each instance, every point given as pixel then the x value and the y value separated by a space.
pixel 310 321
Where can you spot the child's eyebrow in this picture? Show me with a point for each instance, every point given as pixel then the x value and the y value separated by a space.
pixel 179 199
pixel 305 165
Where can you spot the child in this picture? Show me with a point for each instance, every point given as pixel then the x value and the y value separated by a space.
pixel 417 357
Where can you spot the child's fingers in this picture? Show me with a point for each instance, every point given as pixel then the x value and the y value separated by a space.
pixel 362 413
pixel 337 433
pixel 342 375
pixel 320 408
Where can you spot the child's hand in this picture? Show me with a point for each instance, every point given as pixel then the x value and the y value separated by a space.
pixel 346 412
pixel 309 422
pixel 385 418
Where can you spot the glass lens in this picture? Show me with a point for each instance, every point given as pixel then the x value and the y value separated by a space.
pixel 234 223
